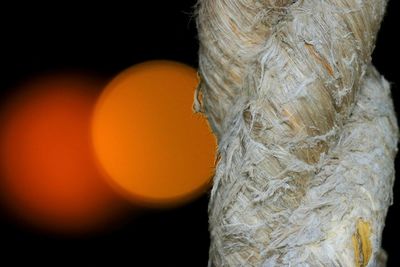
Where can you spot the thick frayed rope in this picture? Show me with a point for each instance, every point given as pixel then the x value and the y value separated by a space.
pixel 306 131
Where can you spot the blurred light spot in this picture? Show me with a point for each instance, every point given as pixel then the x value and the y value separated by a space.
pixel 49 178
pixel 147 138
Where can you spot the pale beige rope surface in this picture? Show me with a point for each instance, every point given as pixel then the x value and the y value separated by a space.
pixel 306 131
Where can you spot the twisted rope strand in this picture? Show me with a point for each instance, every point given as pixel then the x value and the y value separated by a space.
pixel 306 131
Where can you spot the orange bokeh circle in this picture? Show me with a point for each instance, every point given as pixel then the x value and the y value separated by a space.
pixel 49 178
pixel 152 146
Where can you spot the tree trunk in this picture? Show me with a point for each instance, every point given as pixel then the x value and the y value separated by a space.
pixel 306 131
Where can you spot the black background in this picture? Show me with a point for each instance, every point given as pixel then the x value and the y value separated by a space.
pixel 104 39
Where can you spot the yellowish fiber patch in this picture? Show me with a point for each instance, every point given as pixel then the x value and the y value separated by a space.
pixel 362 243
